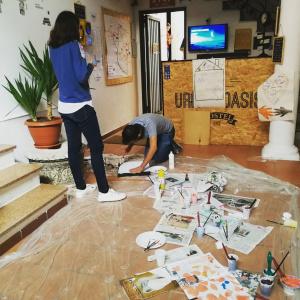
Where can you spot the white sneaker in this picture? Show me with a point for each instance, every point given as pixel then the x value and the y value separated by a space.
pixel 88 190
pixel 110 196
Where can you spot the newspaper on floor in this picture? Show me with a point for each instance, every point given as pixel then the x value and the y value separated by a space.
pixel 179 253
pixel 247 236
pixel 233 203
pixel 177 228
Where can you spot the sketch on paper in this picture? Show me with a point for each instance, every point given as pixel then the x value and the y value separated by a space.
pixel 275 98
pixel 118 47
pixel 209 82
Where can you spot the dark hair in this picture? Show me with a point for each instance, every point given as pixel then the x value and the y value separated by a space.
pixel 132 133
pixel 66 29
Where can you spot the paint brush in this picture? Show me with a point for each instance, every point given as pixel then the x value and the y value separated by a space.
pixel 281 262
pixel 208 197
pixel 275 222
pixel 150 179
pixel 225 233
pixel 277 266
pixel 225 250
pixel 252 204
pixel 198 218
pixel 226 229
pixel 207 219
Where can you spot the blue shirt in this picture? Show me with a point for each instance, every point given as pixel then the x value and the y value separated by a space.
pixel 72 73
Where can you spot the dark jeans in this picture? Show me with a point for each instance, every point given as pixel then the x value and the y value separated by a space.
pixel 164 147
pixel 85 121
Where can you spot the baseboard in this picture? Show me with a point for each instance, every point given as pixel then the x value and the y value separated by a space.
pixel 109 134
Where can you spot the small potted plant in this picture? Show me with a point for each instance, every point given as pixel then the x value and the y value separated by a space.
pixel 45 131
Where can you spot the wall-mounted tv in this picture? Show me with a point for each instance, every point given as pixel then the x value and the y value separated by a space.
pixel 208 37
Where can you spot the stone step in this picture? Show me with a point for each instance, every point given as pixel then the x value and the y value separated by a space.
pixel 7 157
pixel 17 180
pixel 25 214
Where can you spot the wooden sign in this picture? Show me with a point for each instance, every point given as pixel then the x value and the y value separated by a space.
pixel 161 3
pixel 278 49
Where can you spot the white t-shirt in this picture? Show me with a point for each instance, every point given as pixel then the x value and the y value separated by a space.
pixel 69 108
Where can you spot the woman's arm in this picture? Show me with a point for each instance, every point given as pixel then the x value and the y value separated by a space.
pixel 149 155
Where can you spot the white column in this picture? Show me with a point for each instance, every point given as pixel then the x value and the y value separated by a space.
pixel 282 133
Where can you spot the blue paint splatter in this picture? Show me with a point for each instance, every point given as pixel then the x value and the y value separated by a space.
pixel 224 283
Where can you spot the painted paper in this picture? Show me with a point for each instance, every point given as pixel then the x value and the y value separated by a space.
pixel 276 98
pixel 203 277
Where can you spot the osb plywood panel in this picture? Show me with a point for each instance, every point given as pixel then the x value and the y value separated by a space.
pixel 196 127
pixel 238 123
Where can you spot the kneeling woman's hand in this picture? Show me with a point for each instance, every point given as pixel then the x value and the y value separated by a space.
pixel 137 170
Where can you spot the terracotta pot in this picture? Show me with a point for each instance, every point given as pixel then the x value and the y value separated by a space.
pixel 45 133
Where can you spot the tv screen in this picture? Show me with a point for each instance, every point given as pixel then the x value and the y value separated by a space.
pixel 208 37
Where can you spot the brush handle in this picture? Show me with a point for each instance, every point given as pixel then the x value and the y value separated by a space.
pixel 276 266
pixel 225 251
pixel 281 262
pixel 269 262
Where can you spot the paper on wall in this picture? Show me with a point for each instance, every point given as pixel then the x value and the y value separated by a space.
pixel 209 82
pixel 275 97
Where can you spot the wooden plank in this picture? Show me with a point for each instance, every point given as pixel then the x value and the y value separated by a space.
pixel 196 127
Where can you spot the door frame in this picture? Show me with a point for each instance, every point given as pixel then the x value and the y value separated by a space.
pixel 142 13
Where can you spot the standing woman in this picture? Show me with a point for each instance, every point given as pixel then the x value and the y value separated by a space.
pixel 75 104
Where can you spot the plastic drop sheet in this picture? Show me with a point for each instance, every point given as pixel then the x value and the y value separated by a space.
pixel 87 247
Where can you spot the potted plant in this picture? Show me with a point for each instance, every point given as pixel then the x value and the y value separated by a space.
pixel 45 131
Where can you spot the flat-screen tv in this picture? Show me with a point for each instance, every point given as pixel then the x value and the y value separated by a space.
pixel 208 37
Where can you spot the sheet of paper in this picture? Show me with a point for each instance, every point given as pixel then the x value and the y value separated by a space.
pixel 128 165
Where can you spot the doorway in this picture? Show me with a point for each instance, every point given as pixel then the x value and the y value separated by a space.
pixel 162 36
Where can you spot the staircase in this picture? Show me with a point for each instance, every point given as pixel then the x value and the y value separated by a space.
pixel 24 203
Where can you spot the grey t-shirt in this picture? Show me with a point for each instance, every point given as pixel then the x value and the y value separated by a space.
pixel 154 124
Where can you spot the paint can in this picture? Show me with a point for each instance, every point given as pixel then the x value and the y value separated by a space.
pixel 200 231
pixel 266 285
pixel 232 262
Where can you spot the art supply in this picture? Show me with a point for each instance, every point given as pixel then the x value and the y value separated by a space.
pixel 207 218
pixel 281 262
pixel 232 262
pixel 277 266
pixel 157 190
pixel 200 231
pixel 198 218
pixel 252 204
pixel 286 216
pixel 171 161
pixel 161 179
pixel 225 250
pixel 208 197
pixel 269 264
pixel 246 213
pixel 194 198
pixel 287 223
pixel 266 285
pixel 290 284
pixel 160 255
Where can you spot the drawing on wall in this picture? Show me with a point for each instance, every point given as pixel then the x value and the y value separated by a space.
pixel 118 60
pixel 22 7
pixel 209 82
pixel 276 98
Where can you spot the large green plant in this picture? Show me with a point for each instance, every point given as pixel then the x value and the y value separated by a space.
pixel 28 93
pixel 41 69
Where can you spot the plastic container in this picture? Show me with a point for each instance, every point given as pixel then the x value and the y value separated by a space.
pixel 171 161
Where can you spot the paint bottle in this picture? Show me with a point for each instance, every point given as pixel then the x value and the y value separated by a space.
pixel 161 179
pixel 171 161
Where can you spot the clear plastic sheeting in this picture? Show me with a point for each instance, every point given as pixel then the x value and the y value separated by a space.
pixel 87 247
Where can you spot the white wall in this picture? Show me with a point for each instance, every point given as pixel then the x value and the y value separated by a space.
pixel 115 105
